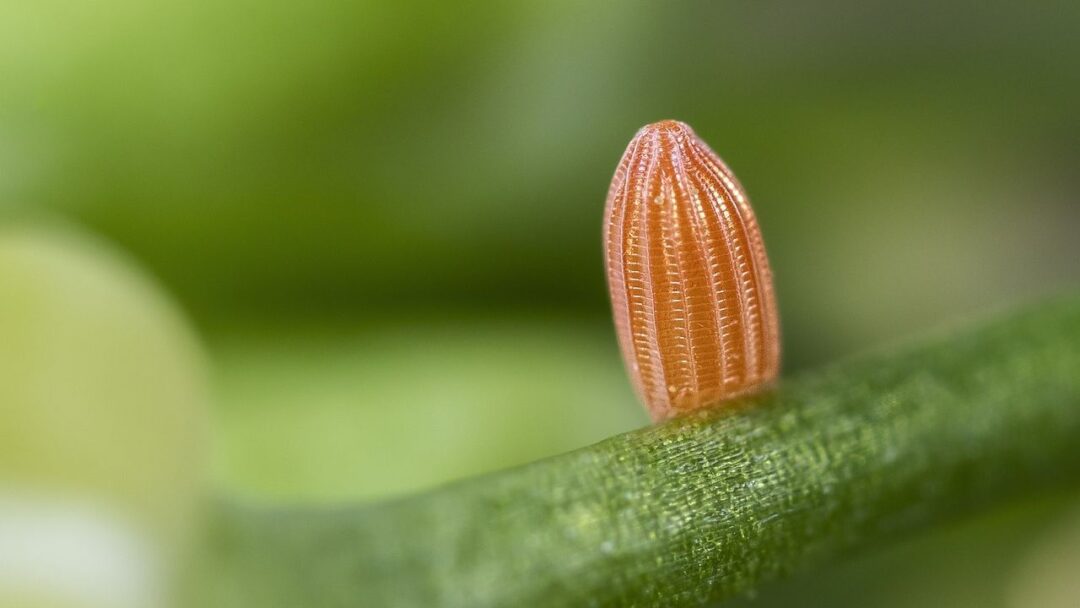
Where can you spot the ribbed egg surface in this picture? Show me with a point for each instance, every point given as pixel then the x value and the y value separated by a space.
pixel 690 283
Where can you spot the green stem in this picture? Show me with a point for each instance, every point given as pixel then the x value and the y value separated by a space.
pixel 700 509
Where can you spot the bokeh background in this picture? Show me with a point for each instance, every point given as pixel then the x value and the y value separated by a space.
pixel 381 219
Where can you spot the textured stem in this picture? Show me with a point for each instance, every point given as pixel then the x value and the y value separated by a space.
pixel 699 509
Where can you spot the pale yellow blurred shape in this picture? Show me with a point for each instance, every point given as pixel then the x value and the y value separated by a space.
pixel 1049 575
pixel 102 389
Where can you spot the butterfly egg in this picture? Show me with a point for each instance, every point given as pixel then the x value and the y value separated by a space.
pixel 690 284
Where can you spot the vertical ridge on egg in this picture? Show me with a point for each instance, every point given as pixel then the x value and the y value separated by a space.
pixel 690 284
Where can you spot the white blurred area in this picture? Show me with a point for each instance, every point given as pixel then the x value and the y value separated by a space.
pixel 66 552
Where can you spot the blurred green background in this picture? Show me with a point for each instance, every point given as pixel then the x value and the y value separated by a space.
pixel 383 217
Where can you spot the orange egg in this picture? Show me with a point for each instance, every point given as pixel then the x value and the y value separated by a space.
pixel 690 284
